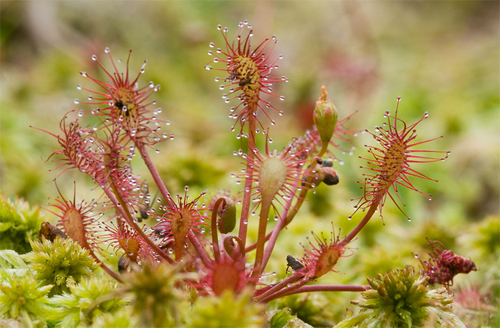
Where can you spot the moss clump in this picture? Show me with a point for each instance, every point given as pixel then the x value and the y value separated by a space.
pixel 18 224
pixel 400 298
pixel 60 263
pixel 23 301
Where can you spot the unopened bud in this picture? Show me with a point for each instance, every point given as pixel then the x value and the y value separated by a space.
pixel 325 117
pixel 227 220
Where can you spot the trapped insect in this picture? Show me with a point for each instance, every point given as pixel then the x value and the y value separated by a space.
pixel 293 263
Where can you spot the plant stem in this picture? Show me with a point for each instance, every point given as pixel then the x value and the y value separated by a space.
pixel 291 212
pixel 245 209
pixel 279 286
pixel 122 208
pixel 154 173
pixel 285 291
pixel 276 231
pixel 106 268
pixel 200 250
pixel 329 288
pixel 361 224
pixel 215 239
pixel 261 238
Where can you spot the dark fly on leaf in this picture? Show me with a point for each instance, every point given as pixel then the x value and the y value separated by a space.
pixel 293 263
pixel 145 205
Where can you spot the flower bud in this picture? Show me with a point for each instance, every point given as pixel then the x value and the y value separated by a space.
pixel 227 213
pixel 325 117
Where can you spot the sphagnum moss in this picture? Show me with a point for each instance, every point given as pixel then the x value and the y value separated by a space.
pixel 60 263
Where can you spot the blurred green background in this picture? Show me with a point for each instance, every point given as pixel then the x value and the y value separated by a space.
pixel 441 57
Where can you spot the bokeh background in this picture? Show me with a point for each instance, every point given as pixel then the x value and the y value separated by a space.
pixel 441 57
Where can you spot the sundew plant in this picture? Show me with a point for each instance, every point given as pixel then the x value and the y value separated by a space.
pixel 188 260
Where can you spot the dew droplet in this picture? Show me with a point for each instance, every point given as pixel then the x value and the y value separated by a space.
pixel 106 50
pixel 282 97
pixel 76 101
pixel 94 57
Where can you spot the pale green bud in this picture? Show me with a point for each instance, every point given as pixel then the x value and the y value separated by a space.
pixel 325 117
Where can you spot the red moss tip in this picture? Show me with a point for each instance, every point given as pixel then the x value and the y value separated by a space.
pixel 443 265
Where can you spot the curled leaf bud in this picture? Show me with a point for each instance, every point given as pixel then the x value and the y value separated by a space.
pixel 227 212
pixel 325 117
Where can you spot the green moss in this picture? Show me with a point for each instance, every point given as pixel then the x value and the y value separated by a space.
pixel 24 300
pixel 313 309
pixel 400 298
pixel 155 297
pixel 79 305
pixel 18 224
pixel 60 263
pixel 487 236
pixel 227 310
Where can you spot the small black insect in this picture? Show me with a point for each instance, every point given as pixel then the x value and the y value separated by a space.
pixel 324 163
pixel 245 81
pixel 123 264
pixel 119 105
pixel 144 206
pixel 293 263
